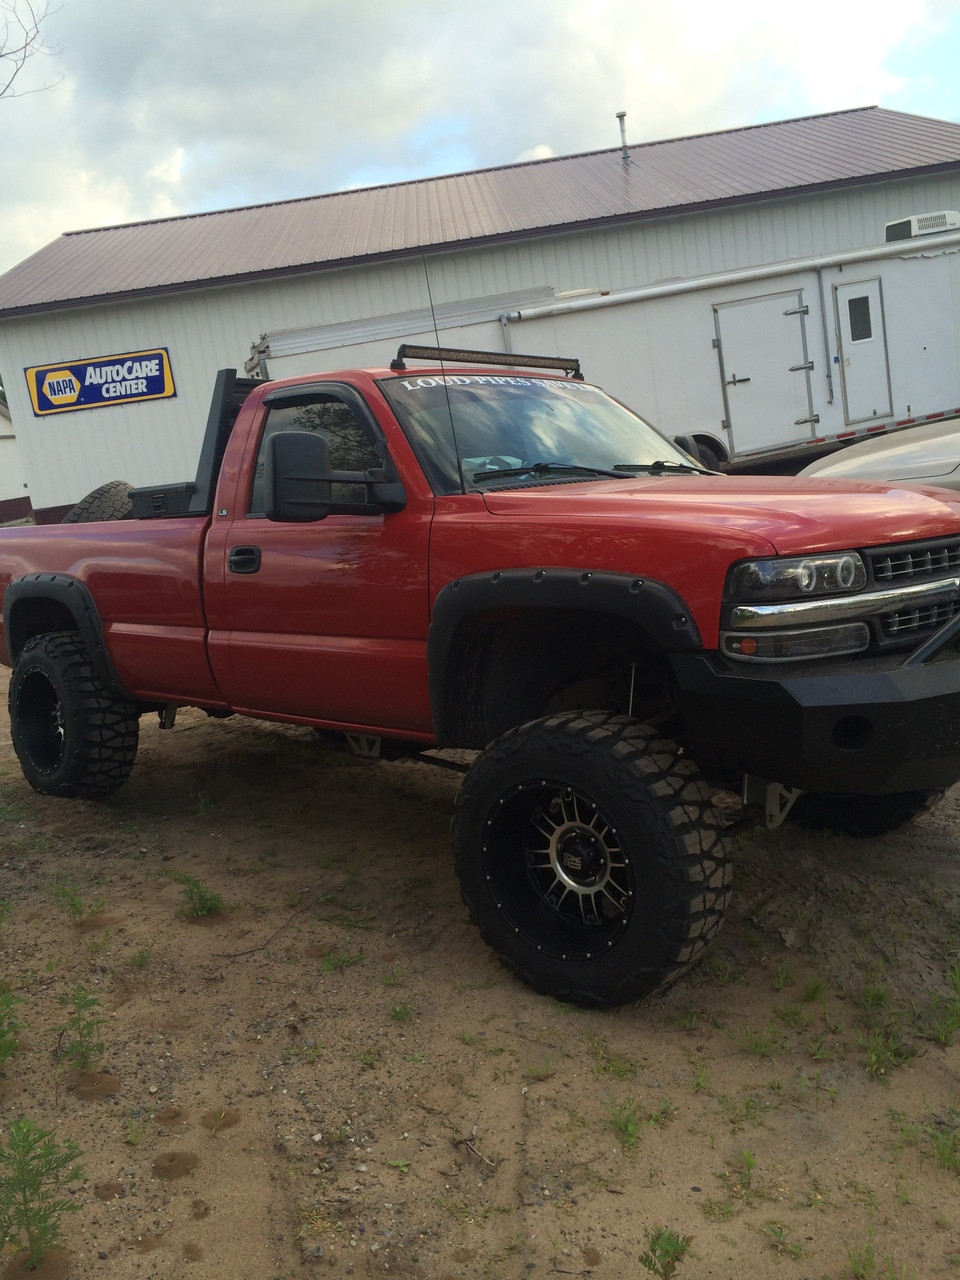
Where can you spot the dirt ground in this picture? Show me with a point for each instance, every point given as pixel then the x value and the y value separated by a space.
pixel 333 1076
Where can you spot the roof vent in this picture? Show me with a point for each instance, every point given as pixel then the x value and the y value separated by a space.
pixel 924 224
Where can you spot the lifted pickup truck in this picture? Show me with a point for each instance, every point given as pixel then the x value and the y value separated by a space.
pixel 510 561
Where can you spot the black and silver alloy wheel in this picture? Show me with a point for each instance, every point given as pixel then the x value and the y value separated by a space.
pixel 590 857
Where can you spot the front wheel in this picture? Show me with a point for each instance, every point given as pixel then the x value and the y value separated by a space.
pixel 73 736
pixel 590 857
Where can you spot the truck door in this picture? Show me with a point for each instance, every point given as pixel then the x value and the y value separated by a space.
pixel 327 620
pixel 765 371
pixel 862 351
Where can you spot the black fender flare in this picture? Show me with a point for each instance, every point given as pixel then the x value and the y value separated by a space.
pixel 650 604
pixel 74 598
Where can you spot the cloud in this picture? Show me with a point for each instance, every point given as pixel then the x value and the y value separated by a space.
pixel 180 106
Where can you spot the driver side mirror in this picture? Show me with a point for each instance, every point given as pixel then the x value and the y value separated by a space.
pixel 301 488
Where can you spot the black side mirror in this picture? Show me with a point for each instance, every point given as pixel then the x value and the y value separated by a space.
pixel 301 488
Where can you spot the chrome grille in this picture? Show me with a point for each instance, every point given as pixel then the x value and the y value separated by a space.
pixel 917 560
pixel 917 621
pixel 912 564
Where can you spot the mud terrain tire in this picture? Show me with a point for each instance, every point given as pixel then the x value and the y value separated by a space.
pixel 110 502
pixel 73 736
pixel 590 857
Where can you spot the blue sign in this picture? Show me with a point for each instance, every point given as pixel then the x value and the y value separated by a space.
pixel 91 384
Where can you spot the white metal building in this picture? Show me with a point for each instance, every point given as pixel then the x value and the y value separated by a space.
pixel 736 286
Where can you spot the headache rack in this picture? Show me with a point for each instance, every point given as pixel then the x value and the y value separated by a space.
pixel 505 359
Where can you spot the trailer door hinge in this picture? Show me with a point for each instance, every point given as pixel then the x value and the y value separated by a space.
pixel 799 368
pixel 798 311
pixel 802 422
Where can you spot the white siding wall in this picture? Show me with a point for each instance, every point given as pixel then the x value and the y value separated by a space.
pixel 66 455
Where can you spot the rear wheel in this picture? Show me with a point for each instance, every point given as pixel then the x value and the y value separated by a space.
pixel 73 736
pixel 860 815
pixel 590 857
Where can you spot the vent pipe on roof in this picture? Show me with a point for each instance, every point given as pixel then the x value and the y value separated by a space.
pixel 624 153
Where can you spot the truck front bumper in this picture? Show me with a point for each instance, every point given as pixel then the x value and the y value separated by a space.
pixel 868 726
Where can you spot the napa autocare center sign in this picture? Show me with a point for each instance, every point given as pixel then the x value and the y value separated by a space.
pixel 93 384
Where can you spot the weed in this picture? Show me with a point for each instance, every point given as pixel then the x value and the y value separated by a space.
pixel 762 1044
pixel 792 1016
pixel 875 1000
pixel 665 1251
pixel 134 1131
pixel 394 978
pixel 68 899
pixel 196 901
pixel 35 1167
pixel 942 1137
pixel 337 961
pixel 689 1019
pixel 9 1025
pixel 82 1048
pixel 400 1013
pixel 402 1165
pixel 662 1115
pixel 203 804
pixel 306 1052
pixel 608 1064
pixel 885 1050
pixel 749 1163
pixel 625 1120
pixel 782 978
pixel 700 1080
pixel 861 1261
pixel 542 1072
pixel 813 991
pixel 778 1238
pixel 718 1210
pixel 4 912
pixel 141 959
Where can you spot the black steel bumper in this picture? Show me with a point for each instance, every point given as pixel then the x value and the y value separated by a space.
pixel 870 726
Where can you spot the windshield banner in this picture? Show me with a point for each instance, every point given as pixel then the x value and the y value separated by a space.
pixel 92 384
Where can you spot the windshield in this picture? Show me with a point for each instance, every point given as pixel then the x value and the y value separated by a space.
pixel 481 431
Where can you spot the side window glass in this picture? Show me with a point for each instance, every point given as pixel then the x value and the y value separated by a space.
pixel 351 443
pixel 861 328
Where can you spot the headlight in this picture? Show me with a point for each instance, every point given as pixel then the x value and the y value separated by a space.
pixel 796 578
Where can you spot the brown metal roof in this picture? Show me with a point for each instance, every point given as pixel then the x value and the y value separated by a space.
pixel 593 189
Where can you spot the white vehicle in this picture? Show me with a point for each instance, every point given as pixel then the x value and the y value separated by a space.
pixel 928 454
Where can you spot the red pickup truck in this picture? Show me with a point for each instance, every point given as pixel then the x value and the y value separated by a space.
pixel 508 560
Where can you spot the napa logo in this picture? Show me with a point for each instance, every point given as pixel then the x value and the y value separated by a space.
pixel 91 384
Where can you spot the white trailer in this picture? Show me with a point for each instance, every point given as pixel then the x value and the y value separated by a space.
pixel 757 365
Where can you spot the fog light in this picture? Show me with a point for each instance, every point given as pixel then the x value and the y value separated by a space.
pixel 795 646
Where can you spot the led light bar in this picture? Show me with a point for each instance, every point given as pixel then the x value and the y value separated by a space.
pixel 505 359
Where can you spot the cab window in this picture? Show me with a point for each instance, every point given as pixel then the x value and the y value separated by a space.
pixel 352 443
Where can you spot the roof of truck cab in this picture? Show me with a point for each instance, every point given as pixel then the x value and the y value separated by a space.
pixel 593 189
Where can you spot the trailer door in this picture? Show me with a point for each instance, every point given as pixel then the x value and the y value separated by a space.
pixel 862 351
pixel 765 371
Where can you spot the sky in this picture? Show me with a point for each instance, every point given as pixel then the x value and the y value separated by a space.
pixel 147 109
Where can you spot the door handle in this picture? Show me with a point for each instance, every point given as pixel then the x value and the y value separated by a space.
pixel 243 559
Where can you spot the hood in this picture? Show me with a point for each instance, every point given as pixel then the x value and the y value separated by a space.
pixel 791 515
pixel 930 452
